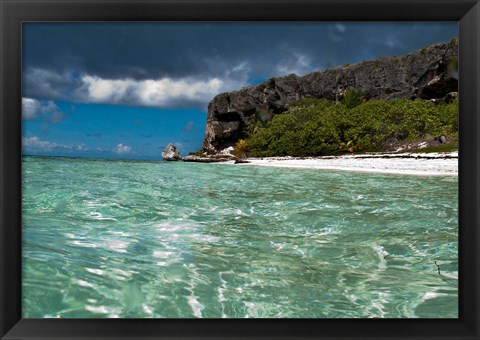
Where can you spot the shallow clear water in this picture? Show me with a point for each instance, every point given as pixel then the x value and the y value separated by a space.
pixel 105 238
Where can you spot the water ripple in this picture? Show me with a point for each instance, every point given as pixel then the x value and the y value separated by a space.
pixel 123 239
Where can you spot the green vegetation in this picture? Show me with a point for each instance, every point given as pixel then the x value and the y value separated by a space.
pixel 315 127
pixel 352 97
pixel 241 148
pixel 453 67
pixel 258 120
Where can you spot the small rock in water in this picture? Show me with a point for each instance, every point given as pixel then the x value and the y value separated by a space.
pixel 170 153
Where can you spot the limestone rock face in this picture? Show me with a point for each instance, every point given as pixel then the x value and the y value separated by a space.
pixel 170 153
pixel 425 74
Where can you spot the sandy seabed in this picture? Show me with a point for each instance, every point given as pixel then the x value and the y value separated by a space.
pixel 419 164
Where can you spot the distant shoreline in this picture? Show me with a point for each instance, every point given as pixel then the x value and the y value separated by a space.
pixel 418 164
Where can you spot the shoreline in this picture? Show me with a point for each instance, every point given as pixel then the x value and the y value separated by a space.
pixel 417 164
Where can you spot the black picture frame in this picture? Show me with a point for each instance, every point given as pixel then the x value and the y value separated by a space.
pixel 14 12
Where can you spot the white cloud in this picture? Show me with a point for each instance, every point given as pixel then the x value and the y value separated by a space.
pixel 297 63
pixel 36 144
pixel 122 149
pixel 99 89
pixel 30 108
pixel 160 92
pixel 239 72
pixel 336 32
pixel 151 92
pixel 47 109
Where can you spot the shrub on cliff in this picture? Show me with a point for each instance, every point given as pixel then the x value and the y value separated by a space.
pixel 352 97
pixel 241 148
pixel 319 127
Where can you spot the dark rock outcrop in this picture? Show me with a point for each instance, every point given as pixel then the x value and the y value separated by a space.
pixel 449 97
pixel 170 153
pixel 241 161
pixel 425 74
pixel 207 158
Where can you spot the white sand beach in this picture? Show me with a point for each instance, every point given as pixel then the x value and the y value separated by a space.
pixel 419 164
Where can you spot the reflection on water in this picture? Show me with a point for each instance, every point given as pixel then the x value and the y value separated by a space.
pixel 145 239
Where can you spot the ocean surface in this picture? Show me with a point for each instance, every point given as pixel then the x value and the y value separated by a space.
pixel 138 239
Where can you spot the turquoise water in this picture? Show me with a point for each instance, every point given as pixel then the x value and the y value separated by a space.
pixel 104 238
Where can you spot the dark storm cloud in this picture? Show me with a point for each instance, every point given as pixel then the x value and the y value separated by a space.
pixel 57 56
pixel 49 83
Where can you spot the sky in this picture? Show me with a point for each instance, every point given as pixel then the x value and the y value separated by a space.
pixel 126 90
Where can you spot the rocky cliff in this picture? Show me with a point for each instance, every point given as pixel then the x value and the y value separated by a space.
pixel 427 74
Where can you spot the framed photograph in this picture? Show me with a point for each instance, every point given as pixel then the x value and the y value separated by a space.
pixel 239 169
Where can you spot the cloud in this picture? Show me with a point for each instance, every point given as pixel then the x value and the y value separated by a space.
pixel 46 109
pixel 104 90
pixel 73 61
pixel 239 71
pixel 30 108
pixel 297 63
pixel 48 84
pixel 161 92
pixel 122 149
pixel 36 144
pixel 336 32
pixel 164 92
pixel 188 127
pixel 201 50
